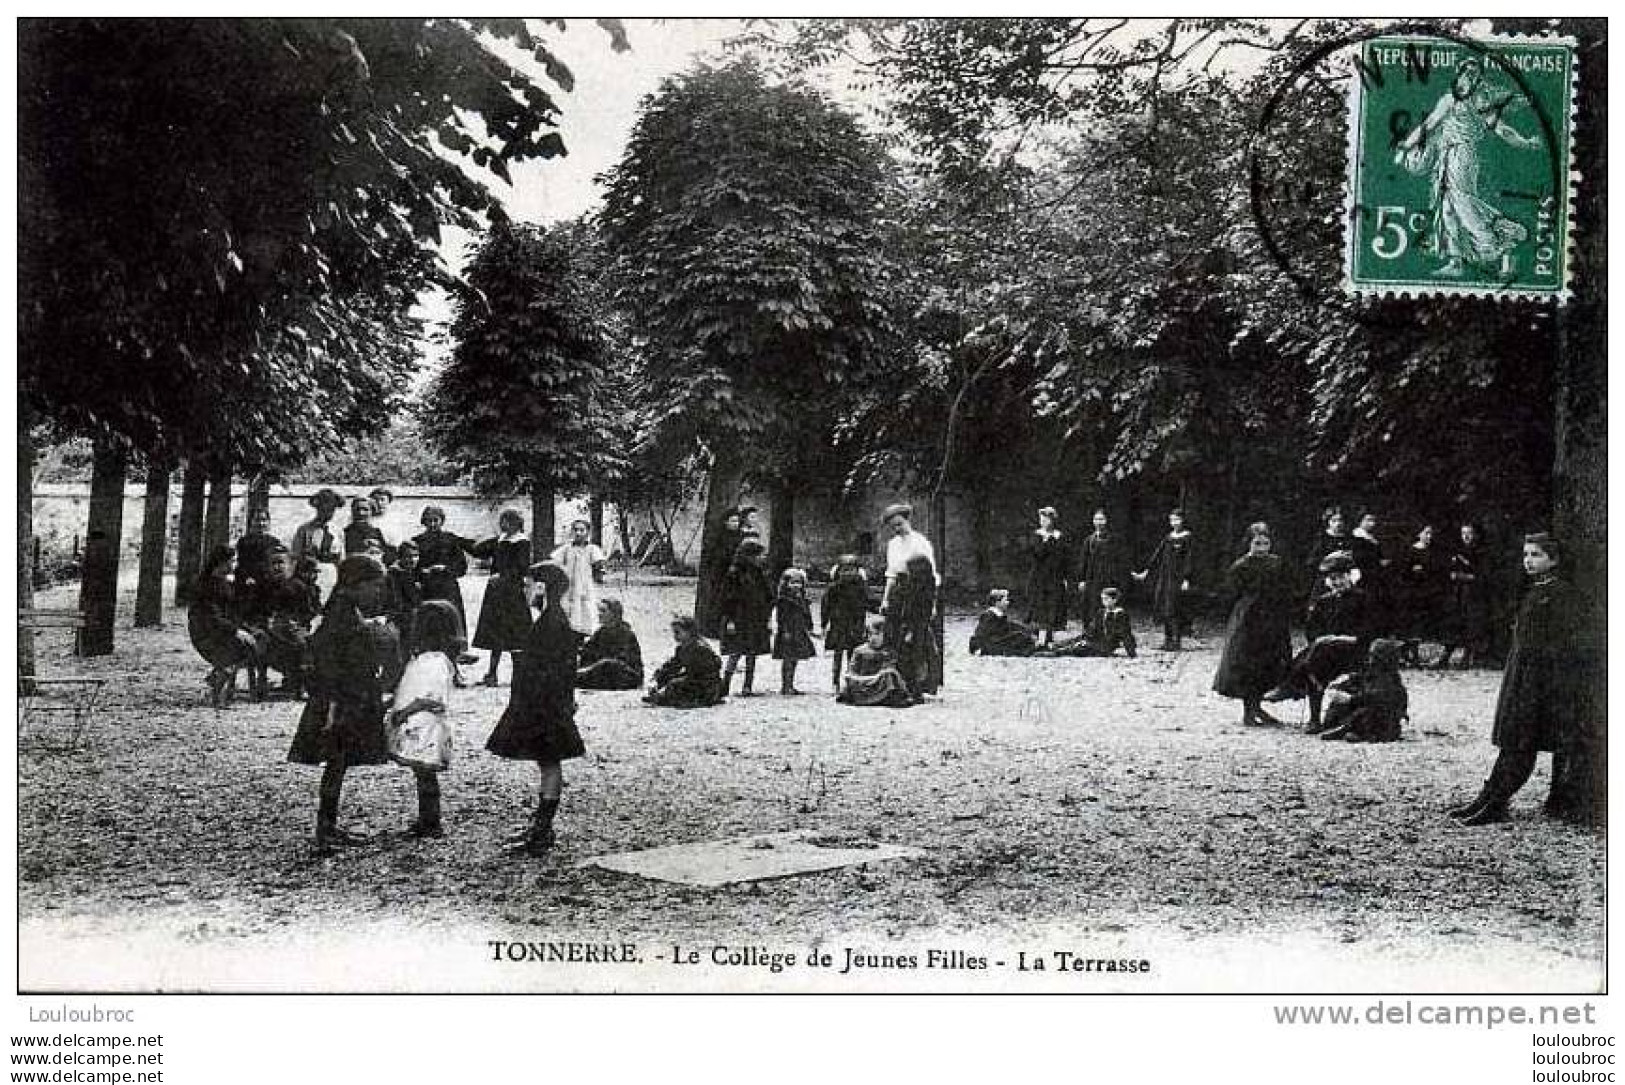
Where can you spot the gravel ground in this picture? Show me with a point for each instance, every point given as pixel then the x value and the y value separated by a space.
pixel 1113 805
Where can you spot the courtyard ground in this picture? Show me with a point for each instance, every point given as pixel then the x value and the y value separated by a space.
pixel 1114 809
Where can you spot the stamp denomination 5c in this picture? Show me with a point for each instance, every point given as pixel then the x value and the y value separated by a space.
pixel 1459 167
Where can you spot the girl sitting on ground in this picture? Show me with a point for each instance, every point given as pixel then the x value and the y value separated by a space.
pixel 873 679
pixel 612 657
pixel 692 677
pixel 1109 630
pixel 1371 704
pixel 998 634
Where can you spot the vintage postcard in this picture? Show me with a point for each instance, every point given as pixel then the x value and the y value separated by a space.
pixel 907 505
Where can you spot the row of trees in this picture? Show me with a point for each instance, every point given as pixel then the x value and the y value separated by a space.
pixel 1048 265
pixel 226 226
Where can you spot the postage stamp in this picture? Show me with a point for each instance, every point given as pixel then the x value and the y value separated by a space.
pixel 1459 167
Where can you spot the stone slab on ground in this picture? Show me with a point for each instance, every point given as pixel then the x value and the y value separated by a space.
pixel 712 863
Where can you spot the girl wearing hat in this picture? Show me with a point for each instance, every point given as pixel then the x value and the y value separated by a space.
pixel 1339 628
pixel 315 541
pixel 1051 572
pixel 1545 699
pixel 539 724
pixel 343 721
pixel 505 613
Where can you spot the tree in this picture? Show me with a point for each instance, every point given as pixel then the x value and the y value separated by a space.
pixel 515 406
pixel 744 217
pixel 185 262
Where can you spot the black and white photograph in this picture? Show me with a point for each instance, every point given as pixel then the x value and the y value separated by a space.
pixel 1102 506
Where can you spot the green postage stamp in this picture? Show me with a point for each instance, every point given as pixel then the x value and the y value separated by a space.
pixel 1459 167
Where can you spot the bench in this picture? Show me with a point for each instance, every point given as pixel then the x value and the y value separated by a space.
pixel 74 695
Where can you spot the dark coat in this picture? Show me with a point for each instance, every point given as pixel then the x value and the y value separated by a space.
pixel 1258 642
pixel 540 721
pixel 1375 709
pixel 842 611
pixel 1421 590
pixel 1347 614
pixel 1170 567
pixel 254 559
pixel 691 678
pixel 1103 563
pixel 792 628
pixel 911 627
pixel 1048 587
pixel 998 635
pixel 1469 596
pixel 443 548
pixel 505 614
pixel 344 711
pixel 1326 544
pixel 288 606
pixel 614 642
pixel 1108 631
pixel 1543 702
pixel 356 536
pixel 716 557
pixel 745 609
pixel 212 622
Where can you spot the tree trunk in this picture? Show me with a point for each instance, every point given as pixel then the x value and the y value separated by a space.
pixel 149 590
pixel 595 517
pixel 189 534
pixel 721 494
pixel 25 541
pixel 981 526
pixel 104 535
pixel 217 514
pixel 542 526
pixel 259 493
pixel 781 529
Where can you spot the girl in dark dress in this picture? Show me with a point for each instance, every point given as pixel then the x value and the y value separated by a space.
pixel 874 680
pixel 254 551
pixel 745 607
pixel 716 556
pixel 1339 629
pixel 911 634
pixel 343 721
pixel 1371 569
pixel 505 619
pixel 1050 582
pixel 612 657
pixel 289 604
pixel 540 722
pixel 1110 629
pixel 1334 539
pixel 1170 572
pixel 692 677
pixel 842 613
pixel 1424 582
pixel 1545 696
pixel 361 530
pixel 214 624
pixel 442 561
pixel 1467 621
pixel 997 634
pixel 1258 643
pixel 792 628
pixel 1104 565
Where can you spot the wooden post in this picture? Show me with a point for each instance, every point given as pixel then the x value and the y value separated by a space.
pixel 189 536
pixel 259 493
pixel 543 525
pixel 781 531
pixel 104 536
pixel 149 591
pixel 595 517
